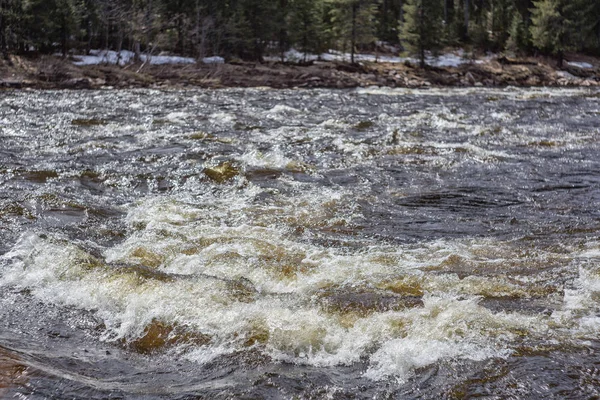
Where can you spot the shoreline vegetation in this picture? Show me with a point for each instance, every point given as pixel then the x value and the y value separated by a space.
pixel 51 72
pixel 58 43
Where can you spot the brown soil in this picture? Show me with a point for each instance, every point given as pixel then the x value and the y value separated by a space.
pixel 52 73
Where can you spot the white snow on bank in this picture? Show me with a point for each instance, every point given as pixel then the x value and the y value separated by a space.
pixel 213 60
pixel 582 65
pixel 443 60
pixel 125 57
pixel 566 75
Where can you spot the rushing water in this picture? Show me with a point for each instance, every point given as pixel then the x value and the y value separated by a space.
pixel 300 244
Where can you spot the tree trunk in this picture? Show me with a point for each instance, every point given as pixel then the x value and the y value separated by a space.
pixel 445 12
pixel 353 38
pixel 421 37
pixel 137 51
pixel 196 36
pixel 559 59
pixel 282 30
pixel 305 40
pixel 466 21
pixel 179 47
pixel 385 13
pixel 64 37
pixel 401 16
pixel 149 22
pixel 120 38
pixel 3 47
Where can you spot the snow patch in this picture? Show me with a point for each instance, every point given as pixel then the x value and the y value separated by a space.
pixel 582 65
pixel 125 57
pixel 566 75
pixel 443 60
pixel 213 60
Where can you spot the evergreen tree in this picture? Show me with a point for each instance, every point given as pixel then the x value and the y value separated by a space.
pixel 583 22
pixel 354 23
pixel 306 25
pixel 548 31
pixel 388 14
pixel 519 38
pixel 259 23
pixel 178 17
pixel 595 28
pixel 467 18
pixel 11 18
pixel 238 36
pixel 559 26
pixel 502 15
pixel 421 30
pixel 49 22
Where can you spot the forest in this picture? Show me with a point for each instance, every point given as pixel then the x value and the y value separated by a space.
pixel 252 29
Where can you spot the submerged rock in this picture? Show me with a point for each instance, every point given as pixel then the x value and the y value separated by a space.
pixel 405 286
pixel 340 300
pixel 40 176
pixel 364 125
pixel 241 290
pixel 147 257
pixel 87 122
pixel 15 209
pixel 13 372
pixel 222 172
pixel 159 336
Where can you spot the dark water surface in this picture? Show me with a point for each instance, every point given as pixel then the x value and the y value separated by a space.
pixel 256 243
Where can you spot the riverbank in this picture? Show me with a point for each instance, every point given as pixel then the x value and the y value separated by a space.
pixel 55 73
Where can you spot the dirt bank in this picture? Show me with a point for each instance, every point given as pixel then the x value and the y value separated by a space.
pixel 51 73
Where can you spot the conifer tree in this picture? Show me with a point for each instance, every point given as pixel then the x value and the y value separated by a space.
pixel 11 18
pixel 595 29
pixel 354 22
pixel 388 14
pixel 49 22
pixel 260 25
pixel 502 15
pixel 422 27
pixel 519 38
pixel 558 26
pixel 306 25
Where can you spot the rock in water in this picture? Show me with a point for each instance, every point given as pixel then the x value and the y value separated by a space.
pixel 222 172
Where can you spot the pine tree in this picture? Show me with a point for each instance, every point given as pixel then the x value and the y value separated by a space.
pixel 583 21
pixel 49 22
pixel 519 38
pixel 259 23
pixel 388 14
pixel 559 26
pixel 178 19
pixel 595 28
pixel 422 27
pixel 354 22
pixel 502 14
pixel 306 28
pixel 11 29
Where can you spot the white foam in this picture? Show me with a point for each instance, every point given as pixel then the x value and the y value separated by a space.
pixel 177 117
pixel 222 118
pixel 273 158
pixel 240 278
pixel 448 328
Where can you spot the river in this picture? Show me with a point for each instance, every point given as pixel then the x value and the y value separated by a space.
pixel 258 243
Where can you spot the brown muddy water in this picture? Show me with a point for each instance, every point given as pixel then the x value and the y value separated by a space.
pixel 254 243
